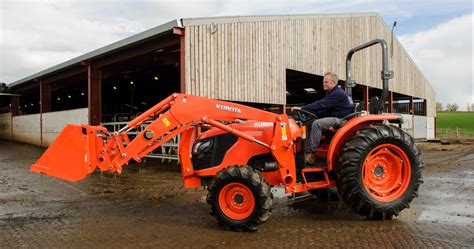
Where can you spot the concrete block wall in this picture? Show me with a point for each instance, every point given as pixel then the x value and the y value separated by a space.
pixel 54 122
pixel 27 128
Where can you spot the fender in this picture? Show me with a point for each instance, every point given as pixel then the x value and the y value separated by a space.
pixel 350 128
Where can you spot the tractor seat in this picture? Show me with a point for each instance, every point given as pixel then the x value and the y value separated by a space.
pixel 356 111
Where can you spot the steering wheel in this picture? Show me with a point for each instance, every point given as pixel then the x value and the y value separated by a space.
pixel 302 115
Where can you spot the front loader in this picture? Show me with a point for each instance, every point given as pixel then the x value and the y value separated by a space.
pixel 240 152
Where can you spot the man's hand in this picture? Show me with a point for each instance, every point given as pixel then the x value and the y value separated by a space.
pixel 295 108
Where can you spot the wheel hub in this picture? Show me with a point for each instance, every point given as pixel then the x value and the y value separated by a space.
pixel 238 198
pixel 378 171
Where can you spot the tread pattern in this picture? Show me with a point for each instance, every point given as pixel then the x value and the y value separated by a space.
pixel 349 183
pixel 257 184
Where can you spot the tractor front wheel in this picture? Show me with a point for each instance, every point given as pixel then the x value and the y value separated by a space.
pixel 240 198
pixel 379 171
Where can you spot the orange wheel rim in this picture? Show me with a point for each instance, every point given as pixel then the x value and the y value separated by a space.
pixel 236 201
pixel 386 172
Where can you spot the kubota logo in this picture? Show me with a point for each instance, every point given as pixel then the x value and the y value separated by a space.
pixel 228 108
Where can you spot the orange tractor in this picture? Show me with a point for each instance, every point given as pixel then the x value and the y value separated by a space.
pixel 240 152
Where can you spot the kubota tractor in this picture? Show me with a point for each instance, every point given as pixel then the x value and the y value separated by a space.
pixel 240 152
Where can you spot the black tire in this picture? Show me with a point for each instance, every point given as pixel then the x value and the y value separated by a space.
pixel 258 190
pixel 325 194
pixel 355 153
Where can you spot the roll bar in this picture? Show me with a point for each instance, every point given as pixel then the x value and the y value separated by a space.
pixel 385 73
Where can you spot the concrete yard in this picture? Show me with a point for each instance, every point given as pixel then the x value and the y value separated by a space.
pixel 146 207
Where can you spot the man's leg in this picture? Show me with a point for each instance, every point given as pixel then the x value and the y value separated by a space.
pixel 317 129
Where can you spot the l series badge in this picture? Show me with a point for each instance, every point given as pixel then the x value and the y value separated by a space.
pixel 228 108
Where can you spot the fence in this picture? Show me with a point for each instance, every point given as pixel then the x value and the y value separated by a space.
pixel 167 150
pixel 454 133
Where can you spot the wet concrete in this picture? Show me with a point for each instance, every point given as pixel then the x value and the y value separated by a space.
pixel 146 207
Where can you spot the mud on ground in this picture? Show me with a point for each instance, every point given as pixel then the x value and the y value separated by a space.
pixel 146 207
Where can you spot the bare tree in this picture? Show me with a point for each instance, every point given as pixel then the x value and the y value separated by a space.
pixel 469 107
pixel 448 107
pixel 452 107
pixel 439 107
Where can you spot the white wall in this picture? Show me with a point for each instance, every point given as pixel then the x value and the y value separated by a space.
pixel 423 126
pixel 54 122
pixel 6 125
pixel 407 125
pixel 430 128
pixel 27 128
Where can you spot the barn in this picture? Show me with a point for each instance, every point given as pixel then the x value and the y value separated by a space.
pixel 269 62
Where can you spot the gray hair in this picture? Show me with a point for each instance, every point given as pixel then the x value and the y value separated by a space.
pixel 334 76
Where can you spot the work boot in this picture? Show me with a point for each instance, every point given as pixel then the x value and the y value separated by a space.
pixel 310 158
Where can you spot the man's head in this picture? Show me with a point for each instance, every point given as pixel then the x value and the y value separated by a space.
pixel 330 81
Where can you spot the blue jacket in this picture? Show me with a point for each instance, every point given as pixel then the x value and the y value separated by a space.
pixel 334 104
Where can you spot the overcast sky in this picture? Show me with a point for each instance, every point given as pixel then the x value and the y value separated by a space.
pixel 35 35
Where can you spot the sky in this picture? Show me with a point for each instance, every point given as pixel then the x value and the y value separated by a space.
pixel 35 34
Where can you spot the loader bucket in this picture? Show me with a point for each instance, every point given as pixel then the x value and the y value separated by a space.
pixel 68 157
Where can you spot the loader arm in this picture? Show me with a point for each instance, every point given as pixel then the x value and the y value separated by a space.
pixel 79 150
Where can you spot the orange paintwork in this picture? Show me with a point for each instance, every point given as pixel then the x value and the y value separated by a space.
pixel 79 150
pixel 176 114
pixel 386 172
pixel 236 201
pixel 72 156
pixel 348 130
pixel 185 145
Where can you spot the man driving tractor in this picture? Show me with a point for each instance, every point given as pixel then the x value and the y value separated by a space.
pixel 330 110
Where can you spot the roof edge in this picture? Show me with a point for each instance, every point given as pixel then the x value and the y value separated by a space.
pixel 265 18
pixel 103 50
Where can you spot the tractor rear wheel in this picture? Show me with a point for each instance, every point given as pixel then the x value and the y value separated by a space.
pixel 379 171
pixel 240 198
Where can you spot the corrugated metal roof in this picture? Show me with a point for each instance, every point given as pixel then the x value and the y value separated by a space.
pixel 104 50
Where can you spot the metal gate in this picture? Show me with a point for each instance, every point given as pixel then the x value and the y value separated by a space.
pixel 166 151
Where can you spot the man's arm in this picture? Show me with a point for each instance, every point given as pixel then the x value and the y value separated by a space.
pixel 320 106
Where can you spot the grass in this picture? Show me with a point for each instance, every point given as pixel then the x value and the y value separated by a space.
pixel 453 120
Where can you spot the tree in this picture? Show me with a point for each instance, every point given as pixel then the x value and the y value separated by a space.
pixel 439 107
pixel 455 107
pixel 469 107
pixel 452 107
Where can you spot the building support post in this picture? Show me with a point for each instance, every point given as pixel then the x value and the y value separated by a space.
pixel 45 96
pixel 425 108
pixel 365 95
pixel 182 58
pixel 412 112
pixel 45 103
pixel 282 109
pixel 94 86
pixel 15 106
pixel 15 109
pixel 390 102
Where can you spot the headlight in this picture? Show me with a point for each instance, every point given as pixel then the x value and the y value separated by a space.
pixel 202 147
